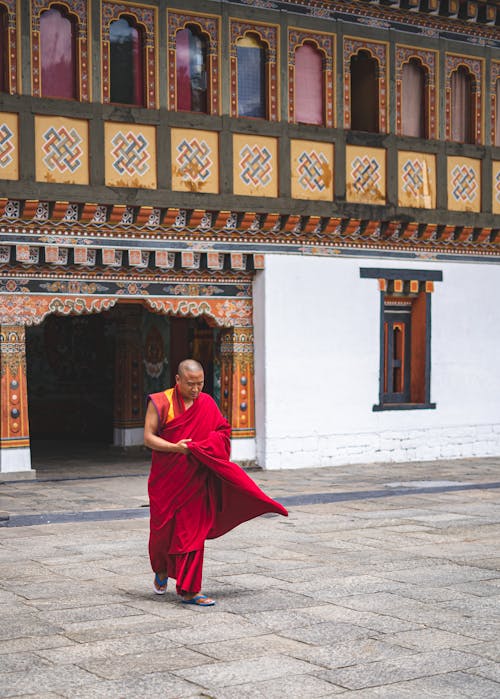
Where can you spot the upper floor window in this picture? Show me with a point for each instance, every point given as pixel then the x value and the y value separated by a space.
pixel 126 63
pixel 462 122
pixel 4 50
pixel 364 93
pixel 309 92
pixel 191 71
pixel 497 114
pixel 252 89
pixel 414 103
pixel 57 54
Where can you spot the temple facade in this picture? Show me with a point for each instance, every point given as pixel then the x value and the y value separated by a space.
pixel 302 194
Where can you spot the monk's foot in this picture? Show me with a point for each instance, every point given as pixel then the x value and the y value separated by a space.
pixel 160 583
pixel 198 600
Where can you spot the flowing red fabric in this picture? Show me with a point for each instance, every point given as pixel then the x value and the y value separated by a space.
pixel 202 495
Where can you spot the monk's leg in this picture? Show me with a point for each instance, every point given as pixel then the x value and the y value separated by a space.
pixel 189 573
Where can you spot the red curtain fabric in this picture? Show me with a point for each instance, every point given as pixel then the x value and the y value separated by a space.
pixel 413 100
pixel 308 85
pixel 461 112
pixel 183 72
pixel 57 55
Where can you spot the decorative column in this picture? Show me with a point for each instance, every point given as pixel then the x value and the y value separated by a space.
pixel 237 388
pixel 15 452
pixel 128 422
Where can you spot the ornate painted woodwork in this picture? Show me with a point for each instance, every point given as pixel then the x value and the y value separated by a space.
pixel 475 68
pixel 237 384
pixel 146 18
pixel 78 12
pixel 209 27
pixel 14 424
pixel 269 35
pixel 429 60
pixel 378 51
pixel 12 54
pixel 325 43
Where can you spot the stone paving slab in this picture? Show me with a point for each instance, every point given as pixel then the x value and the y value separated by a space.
pixel 390 596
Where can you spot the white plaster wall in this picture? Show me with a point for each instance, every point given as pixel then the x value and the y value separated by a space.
pixel 317 329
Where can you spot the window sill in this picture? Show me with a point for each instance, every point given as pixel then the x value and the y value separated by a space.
pixel 404 406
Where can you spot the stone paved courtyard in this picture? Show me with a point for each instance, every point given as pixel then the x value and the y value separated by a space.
pixel 383 582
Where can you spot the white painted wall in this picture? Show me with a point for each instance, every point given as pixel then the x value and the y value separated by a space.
pixel 317 329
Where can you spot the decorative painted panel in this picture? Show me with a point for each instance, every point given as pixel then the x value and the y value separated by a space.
pixel 464 184
pixel 378 51
pixel 130 155
pixel 61 150
pixel 417 180
pixel 12 56
pixel 78 11
pixel 195 161
pixel 325 43
pixel 429 60
pixel 255 165
pixel 147 20
pixel 495 78
pixel 312 170
pixel 9 146
pixel 475 66
pixel 496 186
pixel 365 175
pixel 14 425
pixel 209 26
pixel 269 35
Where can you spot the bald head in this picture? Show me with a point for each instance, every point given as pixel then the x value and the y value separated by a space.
pixel 189 366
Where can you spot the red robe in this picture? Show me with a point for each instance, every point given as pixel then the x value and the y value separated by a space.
pixel 202 495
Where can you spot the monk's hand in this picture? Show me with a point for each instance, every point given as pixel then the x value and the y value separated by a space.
pixel 182 447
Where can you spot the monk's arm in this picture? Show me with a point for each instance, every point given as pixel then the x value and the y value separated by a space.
pixel 153 441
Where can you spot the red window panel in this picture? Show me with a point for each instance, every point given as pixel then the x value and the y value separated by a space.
pixel 309 92
pixel 57 55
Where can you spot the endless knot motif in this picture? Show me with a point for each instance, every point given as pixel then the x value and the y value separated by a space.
pixel 413 177
pixel 365 173
pixel 130 153
pixel 497 186
pixel 62 149
pixel 464 184
pixel 6 145
pixel 256 166
pixel 194 160
pixel 311 170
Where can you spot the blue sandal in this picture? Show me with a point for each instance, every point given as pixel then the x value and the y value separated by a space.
pixel 199 601
pixel 160 583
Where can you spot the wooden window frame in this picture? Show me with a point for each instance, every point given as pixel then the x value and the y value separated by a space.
pixel 209 28
pixel 269 36
pixel 411 290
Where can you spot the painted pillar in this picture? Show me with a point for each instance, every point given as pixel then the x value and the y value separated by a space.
pixel 15 452
pixel 128 422
pixel 237 389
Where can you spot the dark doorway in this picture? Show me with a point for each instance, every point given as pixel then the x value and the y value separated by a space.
pixel 70 363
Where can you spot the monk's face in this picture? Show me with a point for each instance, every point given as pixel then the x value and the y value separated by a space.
pixel 190 384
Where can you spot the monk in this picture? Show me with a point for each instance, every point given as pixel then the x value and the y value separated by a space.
pixel 195 492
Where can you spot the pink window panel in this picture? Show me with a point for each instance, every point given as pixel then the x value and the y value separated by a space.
pixel 461 106
pixel 57 55
pixel 309 99
pixel 414 102
pixel 182 62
